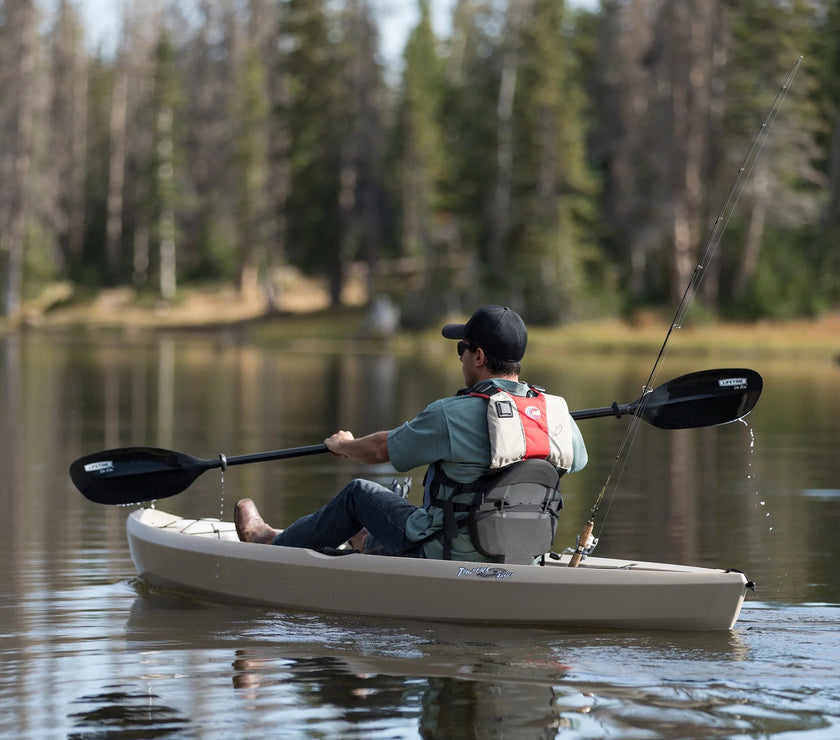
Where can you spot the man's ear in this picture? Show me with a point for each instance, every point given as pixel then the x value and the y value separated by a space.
pixel 480 357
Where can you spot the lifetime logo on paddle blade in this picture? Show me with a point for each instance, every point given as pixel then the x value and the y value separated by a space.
pixel 102 467
pixel 739 384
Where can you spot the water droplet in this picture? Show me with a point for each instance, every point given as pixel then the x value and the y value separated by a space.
pixel 222 499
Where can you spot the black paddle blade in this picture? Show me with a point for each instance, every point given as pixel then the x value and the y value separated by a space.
pixel 702 399
pixel 133 474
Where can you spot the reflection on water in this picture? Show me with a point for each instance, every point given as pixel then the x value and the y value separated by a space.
pixel 123 714
pixel 246 671
pixel 88 651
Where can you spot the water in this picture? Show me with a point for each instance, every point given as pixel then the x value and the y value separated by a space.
pixel 88 650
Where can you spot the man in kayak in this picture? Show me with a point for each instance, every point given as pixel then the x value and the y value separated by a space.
pixel 459 441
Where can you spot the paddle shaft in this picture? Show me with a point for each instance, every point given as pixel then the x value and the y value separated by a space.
pixel 226 462
pixel 615 410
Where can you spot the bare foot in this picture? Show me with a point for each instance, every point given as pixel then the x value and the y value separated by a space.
pixel 250 525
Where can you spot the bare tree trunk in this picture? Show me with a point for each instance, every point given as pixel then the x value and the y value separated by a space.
pixel 368 136
pixel 76 180
pixel 68 134
pixel 679 69
pixel 717 96
pixel 116 170
pixel 21 25
pixel 504 142
pixel 140 23
pixel 168 281
pixel 265 30
pixel 687 31
pixel 166 221
pixel 627 44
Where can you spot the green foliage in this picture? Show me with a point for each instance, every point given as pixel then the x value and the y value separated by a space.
pixel 312 211
pixel 90 267
pixel 786 284
pixel 217 258
pixel 419 142
pixel 531 157
pixel 553 184
pixel 468 110
pixel 39 268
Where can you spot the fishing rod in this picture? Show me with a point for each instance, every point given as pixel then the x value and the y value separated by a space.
pixel 586 542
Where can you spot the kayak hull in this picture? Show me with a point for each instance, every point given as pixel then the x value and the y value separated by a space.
pixel 204 557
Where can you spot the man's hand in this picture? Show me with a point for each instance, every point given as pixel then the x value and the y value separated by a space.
pixel 334 443
pixel 370 449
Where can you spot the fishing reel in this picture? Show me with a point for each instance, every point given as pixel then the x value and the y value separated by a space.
pixel 583 550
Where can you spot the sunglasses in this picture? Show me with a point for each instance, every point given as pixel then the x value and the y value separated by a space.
pixel 465 347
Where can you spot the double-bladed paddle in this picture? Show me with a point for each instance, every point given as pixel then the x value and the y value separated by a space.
pixel 702 399
pixel 133 474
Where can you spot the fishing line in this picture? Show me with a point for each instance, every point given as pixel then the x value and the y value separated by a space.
pixel 708 252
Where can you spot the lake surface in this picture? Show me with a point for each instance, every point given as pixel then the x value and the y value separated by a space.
pixel 88 651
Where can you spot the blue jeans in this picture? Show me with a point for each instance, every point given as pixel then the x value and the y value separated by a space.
pixel 360 504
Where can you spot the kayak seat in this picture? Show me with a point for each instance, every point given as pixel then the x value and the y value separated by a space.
pixel 513 518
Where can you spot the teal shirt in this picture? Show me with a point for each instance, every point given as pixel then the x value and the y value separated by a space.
pixel 454 431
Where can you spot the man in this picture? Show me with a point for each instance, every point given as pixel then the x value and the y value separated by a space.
pixel 452 436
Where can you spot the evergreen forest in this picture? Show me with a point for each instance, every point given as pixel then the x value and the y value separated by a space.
pixel 567 160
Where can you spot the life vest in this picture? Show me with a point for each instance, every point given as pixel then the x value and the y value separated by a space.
pixel 512 510
pixel 522 427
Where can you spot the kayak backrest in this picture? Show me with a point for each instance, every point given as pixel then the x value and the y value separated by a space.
pixel 514 518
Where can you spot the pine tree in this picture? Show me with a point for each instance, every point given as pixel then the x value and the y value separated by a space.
pixel 362 196
pixel 250 167
pixel 551 186
pixel 468 118
pixel 469 122
pixel 421 156
pixel 315 131
pixel 164 160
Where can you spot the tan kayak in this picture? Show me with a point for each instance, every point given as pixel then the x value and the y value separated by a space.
pixel 204 557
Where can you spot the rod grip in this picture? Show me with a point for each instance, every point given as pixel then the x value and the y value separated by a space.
pixel 583 539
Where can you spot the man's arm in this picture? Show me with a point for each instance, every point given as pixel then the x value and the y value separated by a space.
pixel 370 449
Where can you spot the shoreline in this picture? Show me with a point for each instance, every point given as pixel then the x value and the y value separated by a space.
pixel 305 315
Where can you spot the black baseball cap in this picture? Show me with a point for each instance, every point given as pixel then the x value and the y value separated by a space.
pixel 498 330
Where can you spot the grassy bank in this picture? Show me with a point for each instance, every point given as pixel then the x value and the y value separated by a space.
pixel 303 316
pixel 789 339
